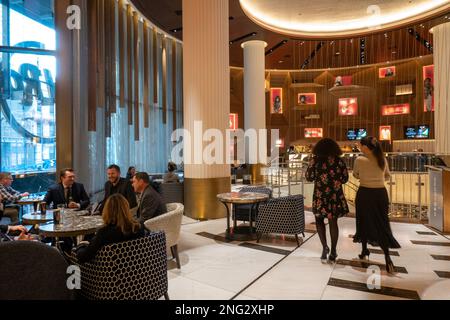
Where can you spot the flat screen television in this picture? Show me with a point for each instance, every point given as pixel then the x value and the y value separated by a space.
pixel 356 134
pixel 410 132
pixel 423 132
pixel 417 132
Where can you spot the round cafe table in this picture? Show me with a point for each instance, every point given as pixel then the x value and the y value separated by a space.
pixel 37 218
pixel 74 224
pixel 241 233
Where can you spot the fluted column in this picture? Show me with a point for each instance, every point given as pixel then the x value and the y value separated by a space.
pixel 441 53
pixel 255 99
pixel 206 84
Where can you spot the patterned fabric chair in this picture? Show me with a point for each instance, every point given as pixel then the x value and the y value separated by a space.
pixel 285 215
pixel 242 211
pixel 32 271
pixel 170 223
pixel 130 270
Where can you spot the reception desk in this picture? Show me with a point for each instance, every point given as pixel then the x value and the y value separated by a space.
pixel 439 208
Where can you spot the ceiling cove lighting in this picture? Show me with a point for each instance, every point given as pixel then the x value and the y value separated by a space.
pixel 347 18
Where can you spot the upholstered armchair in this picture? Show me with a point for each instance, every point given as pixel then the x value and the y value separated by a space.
pixel 170 223
pixel 129 270
pixel 285 215
pixel 242 211
pixel 32 271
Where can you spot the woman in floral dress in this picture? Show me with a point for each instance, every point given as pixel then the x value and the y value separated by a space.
pixel 328 172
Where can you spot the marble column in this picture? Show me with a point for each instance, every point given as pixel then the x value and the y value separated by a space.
pixel 206 87
pixel 441 53
pixel 255 101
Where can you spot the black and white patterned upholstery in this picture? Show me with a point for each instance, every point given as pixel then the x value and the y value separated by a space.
pixel 285 215
pixel 242 211
pixel 130 270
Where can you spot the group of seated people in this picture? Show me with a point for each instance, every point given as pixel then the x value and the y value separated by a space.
pixel 127 204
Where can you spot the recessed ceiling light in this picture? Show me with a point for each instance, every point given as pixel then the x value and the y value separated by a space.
pixel 394 52
pixel 337 53
pixel 281 61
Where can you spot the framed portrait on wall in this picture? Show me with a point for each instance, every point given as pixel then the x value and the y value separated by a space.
pixel 386 72
pixel 340 81
pixel 306 98
pixel 348 106
pixel 385 133
pixel 276 100
pixel 428 88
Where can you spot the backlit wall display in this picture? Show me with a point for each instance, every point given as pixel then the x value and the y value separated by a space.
pixel 395 109
pixel 428 88
pixel 306 98
pixel 385 133
pixel 234 121
pixel 276 100
pixel 403 90
pixel 340 81
pixel 313 132
pixel 386 72
pixel 348 106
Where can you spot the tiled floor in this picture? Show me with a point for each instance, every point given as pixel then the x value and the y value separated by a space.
pixel 213 268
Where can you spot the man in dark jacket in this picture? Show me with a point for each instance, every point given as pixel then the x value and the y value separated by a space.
pixel 116 184
pixel 150 203
pixel 67 192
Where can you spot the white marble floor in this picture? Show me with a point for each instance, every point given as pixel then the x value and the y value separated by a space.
pixel 212 268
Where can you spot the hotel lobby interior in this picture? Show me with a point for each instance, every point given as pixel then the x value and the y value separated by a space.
pixel 176 149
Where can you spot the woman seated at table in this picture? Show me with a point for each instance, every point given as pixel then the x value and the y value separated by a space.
pixel 171 176
pixel 119 226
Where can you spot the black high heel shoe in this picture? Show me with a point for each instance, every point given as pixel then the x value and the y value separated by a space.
pixel 365 253
pixel 332 257
pixel 389 265
pixel 325 252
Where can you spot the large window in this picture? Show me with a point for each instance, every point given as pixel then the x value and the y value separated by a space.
pixel 27 86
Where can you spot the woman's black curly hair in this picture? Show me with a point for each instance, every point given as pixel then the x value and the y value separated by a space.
pixel 326 148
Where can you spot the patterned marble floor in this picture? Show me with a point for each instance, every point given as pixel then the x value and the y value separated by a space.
pixel 213 268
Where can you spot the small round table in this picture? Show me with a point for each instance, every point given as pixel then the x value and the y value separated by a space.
pixel 253 198
pixel 75 223
pixel 37 218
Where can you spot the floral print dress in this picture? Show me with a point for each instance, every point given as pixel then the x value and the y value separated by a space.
pixel 328 176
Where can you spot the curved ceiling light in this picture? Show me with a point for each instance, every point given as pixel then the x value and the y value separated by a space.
pixel 329 18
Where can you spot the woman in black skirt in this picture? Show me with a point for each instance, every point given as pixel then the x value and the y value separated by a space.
pixel 372 201
pixel 328 172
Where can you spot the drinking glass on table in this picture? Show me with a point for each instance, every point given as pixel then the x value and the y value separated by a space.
pixel 61 208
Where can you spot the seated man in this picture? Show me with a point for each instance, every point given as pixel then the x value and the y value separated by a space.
pixel 171 176
pixel 150 203
pixel 9 196
pixel 67 192
pixel 116 184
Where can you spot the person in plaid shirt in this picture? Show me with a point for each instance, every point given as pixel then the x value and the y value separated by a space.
pixel 8 195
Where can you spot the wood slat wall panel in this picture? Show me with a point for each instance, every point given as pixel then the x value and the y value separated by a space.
pixel 129 64
pixel 136 75
pixel 112 59
pixel 101 53
pixel 155 66
pixel 93 62
pixel 146 76
pixel 107 65
pixel 164 79
pixel 174 84
pixel 122 52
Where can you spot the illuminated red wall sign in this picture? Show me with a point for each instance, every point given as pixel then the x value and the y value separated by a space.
pixel 234 121
pixel 395 109
pixel 280 143
pixel 313 133
pixel 276 100
pixel 386 72
pixel 348 106
pixel 385 133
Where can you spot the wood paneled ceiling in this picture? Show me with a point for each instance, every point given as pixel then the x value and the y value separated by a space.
pixel 296 53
